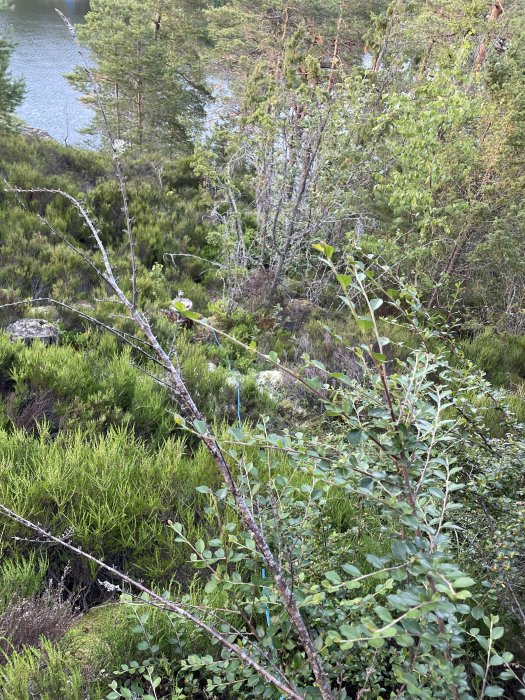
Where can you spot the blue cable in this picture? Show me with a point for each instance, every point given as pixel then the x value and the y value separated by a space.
pixel 239 421
pixel 267 610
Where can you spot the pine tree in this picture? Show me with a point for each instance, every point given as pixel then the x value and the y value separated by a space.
pixel 11 89
pixel 246 32
pixel 148 69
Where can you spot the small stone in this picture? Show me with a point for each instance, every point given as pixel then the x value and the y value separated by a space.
pixel 30 329
pixel 234 380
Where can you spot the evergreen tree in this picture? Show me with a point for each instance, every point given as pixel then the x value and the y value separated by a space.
pixel 148 69
pixel 11 89
pixel 332 30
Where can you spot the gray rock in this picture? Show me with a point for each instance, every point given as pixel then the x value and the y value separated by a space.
pixel 30 329
pixel 32 132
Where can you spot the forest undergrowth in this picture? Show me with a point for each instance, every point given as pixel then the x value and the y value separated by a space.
pixel 307 482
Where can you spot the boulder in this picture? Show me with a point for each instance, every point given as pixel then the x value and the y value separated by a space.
pixel 272 382
pixel 30 329
pixel 32 132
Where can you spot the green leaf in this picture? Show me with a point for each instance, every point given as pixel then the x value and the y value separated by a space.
pixel 356 437
pixel 375 304
pixel 344 280
pixel 492 691
pixel 350 569
pixel 319 365
pixel 364 323
pixel 478 670
pixel 200 546
pixel 200 427
pixel 383 613
pixel 496 660
pixel 376 643
pixel 183 311
pixel 464 582
pixel 399 549
pixel 378 357
pixel 210 586
pixel 333 577
pixel 349 632
pixel 404 640
pixel 237 433
pixel 477 612
pixel 375 561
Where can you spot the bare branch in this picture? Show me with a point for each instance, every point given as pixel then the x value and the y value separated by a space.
pixel 159 600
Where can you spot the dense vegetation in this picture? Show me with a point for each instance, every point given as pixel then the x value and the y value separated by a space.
pixel 310 484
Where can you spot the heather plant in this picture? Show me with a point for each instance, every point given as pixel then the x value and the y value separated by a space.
pixel 21 577
pixel 27 621
pixel 112 493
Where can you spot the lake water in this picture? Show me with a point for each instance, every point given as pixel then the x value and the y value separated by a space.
pixel 44 52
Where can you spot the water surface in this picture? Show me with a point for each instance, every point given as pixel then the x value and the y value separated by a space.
pixel 44 52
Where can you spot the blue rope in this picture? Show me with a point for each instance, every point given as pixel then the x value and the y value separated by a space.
pixel 239 421
pixel 267 607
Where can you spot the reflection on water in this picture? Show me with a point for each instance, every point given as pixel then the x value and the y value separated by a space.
pixel 44 52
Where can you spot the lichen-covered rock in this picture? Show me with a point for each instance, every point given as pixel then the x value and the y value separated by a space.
pixel 272 382
pixel 31 329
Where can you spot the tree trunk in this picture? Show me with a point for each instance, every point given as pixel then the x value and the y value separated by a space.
pixel 495 11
